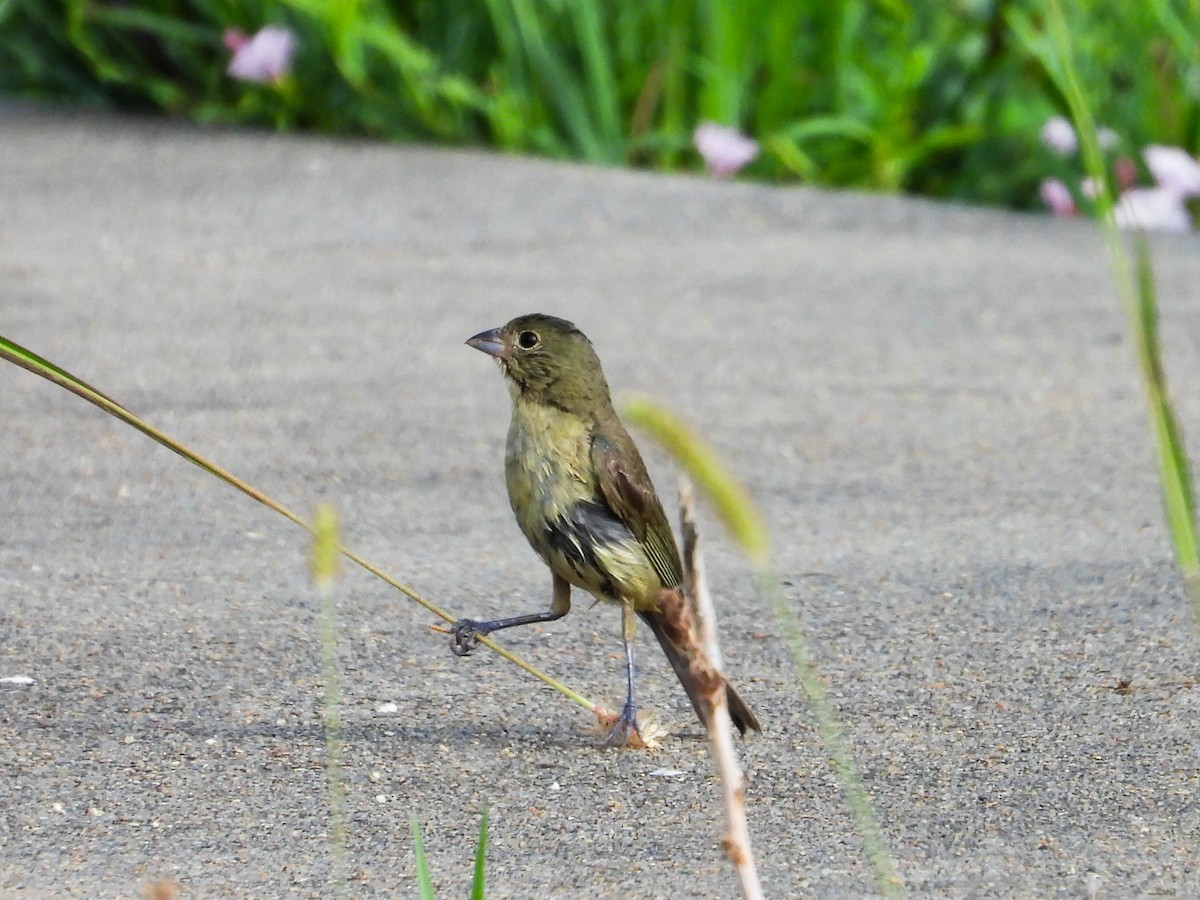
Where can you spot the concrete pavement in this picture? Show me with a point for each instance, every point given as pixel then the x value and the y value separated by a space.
pixel 937 408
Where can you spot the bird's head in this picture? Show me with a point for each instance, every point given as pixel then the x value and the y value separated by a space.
pixel 547 360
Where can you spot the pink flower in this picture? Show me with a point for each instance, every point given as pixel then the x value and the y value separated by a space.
pixel 1125 172
pixel 1059 136
pixel 234 39
pixel 1152 209
pixel 724 150
pixel 1173 169
pixel 1056 196
pixel 263 58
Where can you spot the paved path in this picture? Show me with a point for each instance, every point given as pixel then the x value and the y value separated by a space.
pixel 936 406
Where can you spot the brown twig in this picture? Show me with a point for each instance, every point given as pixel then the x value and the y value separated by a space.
pixel 736 841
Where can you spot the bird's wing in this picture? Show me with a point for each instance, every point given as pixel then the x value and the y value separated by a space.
pixel 626 488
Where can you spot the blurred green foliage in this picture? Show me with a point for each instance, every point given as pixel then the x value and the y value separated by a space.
pixel 943 99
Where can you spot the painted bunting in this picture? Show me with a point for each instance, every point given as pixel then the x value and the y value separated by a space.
pixel 583 498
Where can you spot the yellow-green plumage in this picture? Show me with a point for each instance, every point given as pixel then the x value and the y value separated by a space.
pixel 580 491
pixel 559 503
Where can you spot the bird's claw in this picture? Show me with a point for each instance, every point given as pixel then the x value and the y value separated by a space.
pixel 626 726
pixel 464 636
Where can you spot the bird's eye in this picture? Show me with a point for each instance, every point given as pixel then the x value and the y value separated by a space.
pixel 528 340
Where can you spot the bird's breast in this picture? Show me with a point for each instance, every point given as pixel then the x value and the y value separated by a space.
pixel 547 463
pixel 554 493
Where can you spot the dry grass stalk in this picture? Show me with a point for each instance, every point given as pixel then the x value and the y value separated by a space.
pixel 736 842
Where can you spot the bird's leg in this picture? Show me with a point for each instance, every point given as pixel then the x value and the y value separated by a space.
pixel 465 633
pixel 627 722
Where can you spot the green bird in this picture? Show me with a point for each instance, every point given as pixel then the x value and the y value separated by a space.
pixel 584 500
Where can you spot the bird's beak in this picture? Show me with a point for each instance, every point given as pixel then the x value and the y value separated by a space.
pixel 490 342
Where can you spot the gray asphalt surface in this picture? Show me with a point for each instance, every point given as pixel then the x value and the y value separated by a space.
pixel 937 408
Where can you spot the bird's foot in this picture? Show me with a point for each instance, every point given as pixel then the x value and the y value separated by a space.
pixel 625 728
pixel 465 635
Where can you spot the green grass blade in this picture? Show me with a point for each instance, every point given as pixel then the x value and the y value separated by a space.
pixel 424 880
pixel 478 882
pixel 601 81
pixel 730 50
pixel 737 512
pixel 862 810
pixel 27 359
pixel 1137 293
pixel 324 565
pixel 1175 473
pixel 730 499
pixel 1151 352
pixel 677 116
pixel 564 90
pixel 161 24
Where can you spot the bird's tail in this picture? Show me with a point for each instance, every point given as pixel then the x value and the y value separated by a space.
pixel 671 625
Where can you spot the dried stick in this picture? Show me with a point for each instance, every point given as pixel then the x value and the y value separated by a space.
pixel 736 841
